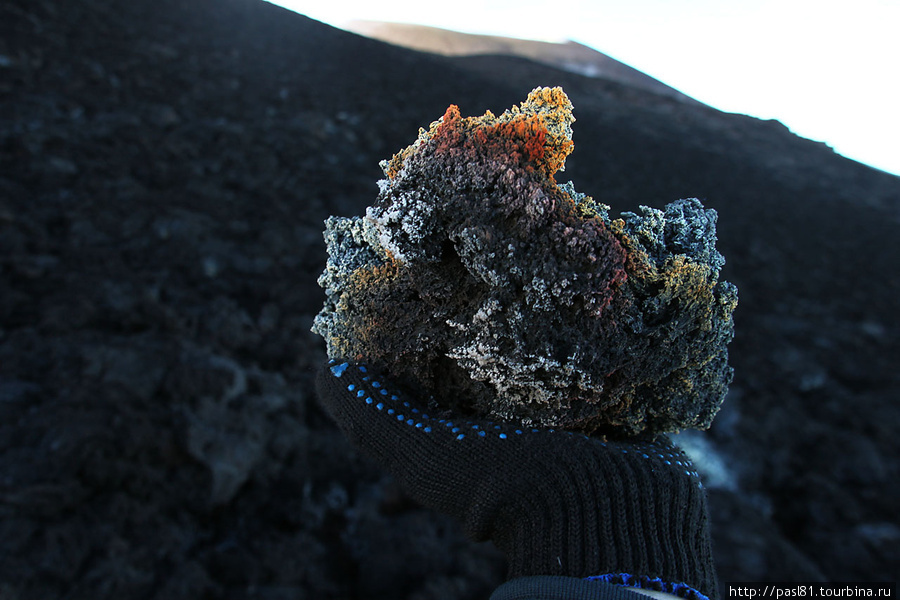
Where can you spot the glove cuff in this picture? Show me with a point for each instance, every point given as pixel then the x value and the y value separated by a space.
pixel 638 510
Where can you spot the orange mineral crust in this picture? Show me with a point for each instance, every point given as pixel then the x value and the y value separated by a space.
pixel 476 279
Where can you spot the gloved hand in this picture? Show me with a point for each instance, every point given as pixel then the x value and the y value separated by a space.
pixel 554 502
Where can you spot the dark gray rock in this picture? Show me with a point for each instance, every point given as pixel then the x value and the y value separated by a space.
pixel 477 280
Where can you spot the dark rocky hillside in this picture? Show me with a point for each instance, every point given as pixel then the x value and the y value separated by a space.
pixel 165 168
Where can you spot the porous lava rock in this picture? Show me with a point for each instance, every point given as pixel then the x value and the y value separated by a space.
pixel 478 281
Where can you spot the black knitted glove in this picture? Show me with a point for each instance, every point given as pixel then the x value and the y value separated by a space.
pixel 556 503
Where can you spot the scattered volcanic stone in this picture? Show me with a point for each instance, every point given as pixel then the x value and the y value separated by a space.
pixel 478 281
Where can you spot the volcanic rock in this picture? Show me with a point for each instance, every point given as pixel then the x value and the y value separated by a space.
pixel 480 281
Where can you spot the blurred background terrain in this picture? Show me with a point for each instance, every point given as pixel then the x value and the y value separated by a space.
pixel 165 170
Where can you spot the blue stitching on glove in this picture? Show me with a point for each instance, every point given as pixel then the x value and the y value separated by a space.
pixel 644 449
pixel 338 370
pixel 682 590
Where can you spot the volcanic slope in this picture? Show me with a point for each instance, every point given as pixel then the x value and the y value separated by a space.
pixel 165 171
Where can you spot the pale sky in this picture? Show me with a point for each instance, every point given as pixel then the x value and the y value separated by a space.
pixel 828 69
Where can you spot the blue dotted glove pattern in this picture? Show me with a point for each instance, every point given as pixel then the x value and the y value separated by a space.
pixel 555 502
pixel 373 393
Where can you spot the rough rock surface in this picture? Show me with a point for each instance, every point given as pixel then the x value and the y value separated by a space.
pixel 477 280
pixel 165 169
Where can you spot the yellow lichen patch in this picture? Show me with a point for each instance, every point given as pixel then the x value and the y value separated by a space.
pixel 544 121
pixel 363 285
pixel 378 275
pixel 555 109
pixel 636 260
pixel 543 124
pixel 523 139
pixel 393 166
pixel 690 282
pixel 340 345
